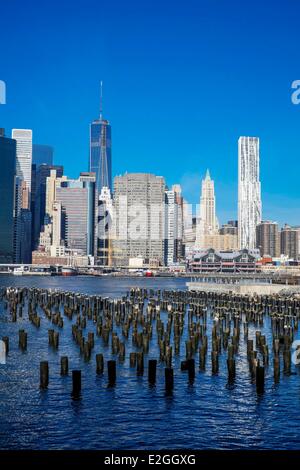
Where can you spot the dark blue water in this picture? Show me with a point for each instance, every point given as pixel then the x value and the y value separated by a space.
pixel 133 415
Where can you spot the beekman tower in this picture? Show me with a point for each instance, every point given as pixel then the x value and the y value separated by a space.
pixel 249 200
pixel 100 151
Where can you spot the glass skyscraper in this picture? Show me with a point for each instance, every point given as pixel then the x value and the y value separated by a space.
pixel 100 153
pixel 7 183
pixel 42 154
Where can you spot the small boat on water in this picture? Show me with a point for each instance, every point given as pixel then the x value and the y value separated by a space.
pixel 149 273
pixel 68 271
pixel 19 271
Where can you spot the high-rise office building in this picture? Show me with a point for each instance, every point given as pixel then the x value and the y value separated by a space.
pixel 42 154
pixel 289 242
pixel 139 218
pixel 207 224
pixel 7 190
pixel 180 255
pixel 53 182
pixel 268 239
pixel 249 191
pixel 103 249
pixel 42 173
pixel 23 217
pixel 23 138
pixel 22 223
pixel 171 227
pixel 100 151
pixel 77 200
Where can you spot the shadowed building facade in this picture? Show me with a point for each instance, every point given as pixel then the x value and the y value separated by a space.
pixel 7 185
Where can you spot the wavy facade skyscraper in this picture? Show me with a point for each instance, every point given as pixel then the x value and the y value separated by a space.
pixel 249 191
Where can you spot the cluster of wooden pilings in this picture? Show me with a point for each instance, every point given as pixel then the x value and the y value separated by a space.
pixel 204 326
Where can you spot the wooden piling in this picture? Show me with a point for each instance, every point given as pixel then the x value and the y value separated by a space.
pixel 99 363
pixel 169 379
pixel 23 340
pixel 152 370
pixel 111 369
pixel 44 374
pixel 140 363
pixel 260 379
pixel 76 383
pixel 64 365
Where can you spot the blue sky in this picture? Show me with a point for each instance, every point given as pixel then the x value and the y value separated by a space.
pixel 182 81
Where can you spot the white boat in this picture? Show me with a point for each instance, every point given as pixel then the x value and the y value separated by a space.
pixel 19 271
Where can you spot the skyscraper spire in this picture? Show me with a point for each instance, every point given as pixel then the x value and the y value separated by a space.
pixel 207 176
pixel 101 99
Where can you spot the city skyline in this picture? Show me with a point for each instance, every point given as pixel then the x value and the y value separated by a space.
pixel 165 110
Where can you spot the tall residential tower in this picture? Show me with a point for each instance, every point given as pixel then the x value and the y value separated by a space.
pixel 249 191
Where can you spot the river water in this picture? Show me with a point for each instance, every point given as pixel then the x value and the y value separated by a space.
pixel 208 414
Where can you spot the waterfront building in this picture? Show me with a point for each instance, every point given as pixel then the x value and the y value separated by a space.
pixel 42 155
pixel 249 191
pixel 207 223
pixel 268 239
pixel 289 242
pixel 61 257
pixel 7 183
pixel 139 218
pixel 213 261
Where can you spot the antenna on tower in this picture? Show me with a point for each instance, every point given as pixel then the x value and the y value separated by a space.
pixel 101 99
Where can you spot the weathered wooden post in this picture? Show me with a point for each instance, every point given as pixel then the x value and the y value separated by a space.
pixel 152 370
pixel 276 362
pixel 99 363
pixel 169 379
pixel 191 369
pixel 260 378
pixel 55 339
pixel 76 383
pixel 140 363
pixel 64 365
pixel 23 340
pixel 44 374
pixel 132 359
pixel 111 369
pixel 231 368
pixel 215 362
